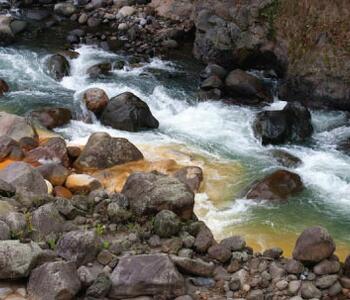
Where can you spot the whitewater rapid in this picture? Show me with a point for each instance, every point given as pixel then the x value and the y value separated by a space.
pixel 220 131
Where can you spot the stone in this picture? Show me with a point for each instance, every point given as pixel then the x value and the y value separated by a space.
pixel 152 275
pixel 46 221
pixel 14 126
pixel 105 257
pixel 17 223
pixel 51 150
pixel 234 243
pixel 7 36
pixel 166 224
pixel 5 233
pixel 17 259
pixel 192 176
pixel 6 189
pixel 102 151
pixel 66 208
pixel 294 286
pixel 213 70
pixel 345 282
pixel 52 117
pixel 346 266
pixel 335 289
pixel 313 245
pixel 255 295
pixel 149 193
pixel 127 11
pixel 327 267
pixel 58 66
pixel 117 213
pixel 291 124
pixel 195 267
pixel 247 88
pixel 276 271
pixel 277 187
pixel 326 281
pixel 55 173
pixel 286 159
pixel 7 144
pixel 54 280
pixel 62 192
pixel 95 100
pixel 103 69
pixel 309 290
pixel 100 287
pixel 294 267
pixel 64 9
pixel 81 246
pixel 82 183
pixel 128 112
pixel 24 178
pixel 220 253
pixel 282 285
pixel 204 239
pixel 274 253
pixel 4 88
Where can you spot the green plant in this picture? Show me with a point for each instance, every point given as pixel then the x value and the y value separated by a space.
pixel 100 229
pixel 106 244
pixel 52 244
pixel 269 13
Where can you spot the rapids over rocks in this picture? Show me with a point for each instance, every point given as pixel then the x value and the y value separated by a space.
pixel 210 134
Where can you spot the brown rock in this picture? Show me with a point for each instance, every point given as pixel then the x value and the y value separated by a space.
pixel 220 253
pixel 14 126
pixel 52 117
pixel 204 239
pixel 192 176
pixel 195 267
pixel 277 186
pixel 7 144
pixel 95 100
pixel 82 183
pixel 62 192
pixel 55 173
pixel 314 245
pixel 4 88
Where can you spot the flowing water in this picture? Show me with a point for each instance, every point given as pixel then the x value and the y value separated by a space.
pixel 217 135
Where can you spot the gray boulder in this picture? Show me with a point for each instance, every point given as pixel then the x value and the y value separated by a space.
pixel 146 275
pixel 6 189
pixel 9 27
pixel 128 112
pixel 65 9
pixel 166 224
pixel 4 231
pixel 79 246
pixel 149 193
pixel 54 281
pixel 102 151
pixel 17 259
pixel 15 126
pixel 195 267
pixel 58 66
pixel 24 178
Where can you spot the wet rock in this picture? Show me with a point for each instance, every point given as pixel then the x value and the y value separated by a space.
pixel 46 222
pixel 313 245
pixel 4 88
pixel 292 124
pixel 214 94
pixel 204 239
pixel 82 183
pixel 277 186
pixel 17 259
pixel 220 253
pixel 327 266
pixel 247 88
pixel 24 178
pixel 149 193
pixel 309 290
pixel 100 287
pixel 213 70
pixel 54 280
pixel 346 266
pixel 192 176
pixel 212 82
pixel 7 36
pixel 52 117
pixel 286 159
pixel 99 69
pixel 234 243
pixel 195 267
pixel 151 275
pixel 28 143
pixel 274 253
pixel 79 246
pixel 128 112
pixel 344 146
pixel 54 173
pixel 14 126
pixel 95 100
pixel 58 66
pixel 52 150
pixel 73 152
pixel 166 224
pixel 102 151
pixel 65 9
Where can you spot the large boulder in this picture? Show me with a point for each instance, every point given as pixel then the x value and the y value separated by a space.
pixel 149 193
pixel 102 151
pixel 52 150
pixel 54 281
pixel 58 66
pixel 314 245
pixel 52 117
pixel 128 112
pixel 54 173
pixel 80 246
pixel 7 144
pixel 15 126
pixel 9 27
pixel 192 176
pixel 4 88
pixel 103 69
pixel 245 88
pixel 24 178
pixel 6 189
pixel 277 186
pixel 17 259
pixel 291 124
pixel 146 275
pixel 166 224
pixel 95 100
